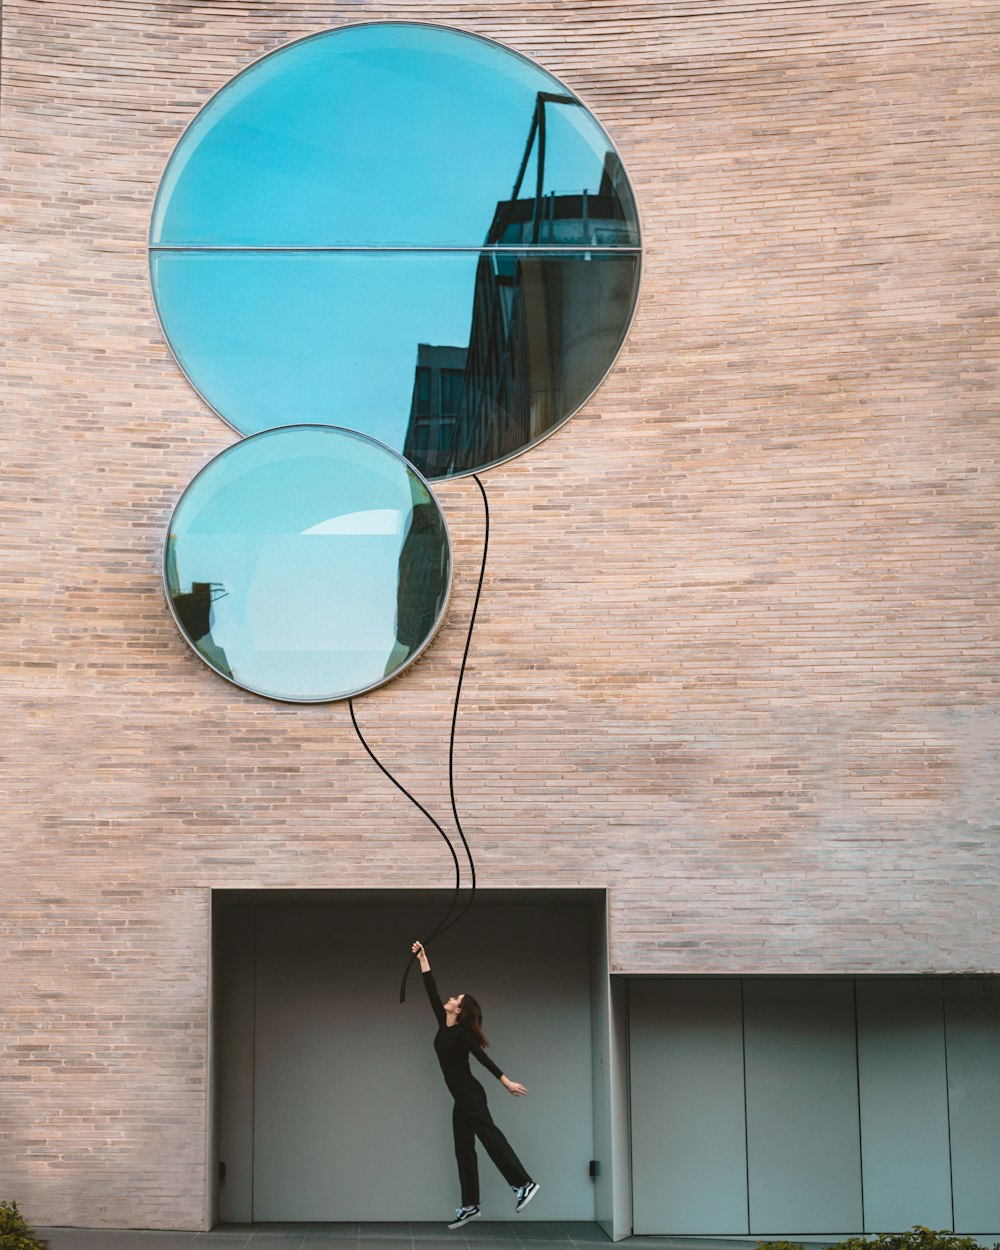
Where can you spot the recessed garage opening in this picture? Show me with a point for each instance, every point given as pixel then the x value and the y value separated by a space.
pixel 330 1105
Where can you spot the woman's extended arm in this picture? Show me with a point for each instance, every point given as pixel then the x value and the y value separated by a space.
pixel 432 991
pixel 477 1052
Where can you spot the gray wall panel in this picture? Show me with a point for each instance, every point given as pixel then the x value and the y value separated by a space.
pixel 972 1014
pixel 904 1104
pixel 802 1106
pixel 621 1131
pixel 689 1161
pixel 612 1146
pixel 603 1090
pixel 234 1038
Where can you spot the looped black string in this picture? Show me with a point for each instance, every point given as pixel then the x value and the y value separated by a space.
pixel 458 695
pixel 416 803
pixel 399 786
pixel 445 922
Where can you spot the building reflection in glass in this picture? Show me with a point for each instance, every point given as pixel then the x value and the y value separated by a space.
pixel 422 579
pixel 544 332
pixel 544 327
pixel 438 387
pixel 307 564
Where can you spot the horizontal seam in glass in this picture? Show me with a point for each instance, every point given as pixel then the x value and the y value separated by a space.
pixel 355 247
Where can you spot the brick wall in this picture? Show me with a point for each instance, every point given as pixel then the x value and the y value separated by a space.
pixel 737 654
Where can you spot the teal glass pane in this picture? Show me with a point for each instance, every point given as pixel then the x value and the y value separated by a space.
pixel 307 564
pixel 393 134
pixel 457 360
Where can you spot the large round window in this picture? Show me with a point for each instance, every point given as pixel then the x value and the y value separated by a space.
pixel 401 229
pixel 308 563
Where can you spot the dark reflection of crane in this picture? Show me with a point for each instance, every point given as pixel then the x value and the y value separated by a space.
pixel 537 129
pixel 195 607
pixel 194 610
pixel 602 218
pixel 544 325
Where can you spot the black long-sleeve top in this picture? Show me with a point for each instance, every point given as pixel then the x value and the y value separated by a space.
pixel 454 1045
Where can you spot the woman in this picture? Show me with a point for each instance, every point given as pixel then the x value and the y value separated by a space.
pixel 460 1034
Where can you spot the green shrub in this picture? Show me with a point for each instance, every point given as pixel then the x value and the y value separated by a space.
pixel 919 1238
pixel 14 1233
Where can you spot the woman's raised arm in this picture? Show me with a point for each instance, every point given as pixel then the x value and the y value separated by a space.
pixel 418 949
pixel 437 1006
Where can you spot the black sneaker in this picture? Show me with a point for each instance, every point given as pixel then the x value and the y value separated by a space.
pixel 525 1195
pixel 464 1214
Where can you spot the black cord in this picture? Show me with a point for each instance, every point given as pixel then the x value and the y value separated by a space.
pixel 458 695
pixel 416 803
pixel 400 786
pixel 445 922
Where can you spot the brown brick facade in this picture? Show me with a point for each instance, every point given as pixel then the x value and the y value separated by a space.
pixel 736 659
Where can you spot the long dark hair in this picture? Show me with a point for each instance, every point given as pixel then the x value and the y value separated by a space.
pixel 471 1015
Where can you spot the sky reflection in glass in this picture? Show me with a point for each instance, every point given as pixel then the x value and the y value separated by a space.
pixel 307 564
pixel 378 135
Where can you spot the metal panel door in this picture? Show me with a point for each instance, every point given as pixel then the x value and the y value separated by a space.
pixel 804 1155
pixel 904 1104
pixel 972 1015
pixel 688 1132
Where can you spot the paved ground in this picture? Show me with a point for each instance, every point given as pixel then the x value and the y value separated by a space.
pixel 480 1235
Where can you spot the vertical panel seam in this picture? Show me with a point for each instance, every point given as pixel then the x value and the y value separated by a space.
pixel 628 1097
pixel 857 1077
pixel 947 1100
pixel 213 1143
pixel 746 1118
pixel 253 1068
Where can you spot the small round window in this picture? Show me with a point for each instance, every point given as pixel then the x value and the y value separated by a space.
pixel 308 563
pixel 401 229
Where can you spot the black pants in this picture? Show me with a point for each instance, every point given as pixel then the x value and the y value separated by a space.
pixel 471 1119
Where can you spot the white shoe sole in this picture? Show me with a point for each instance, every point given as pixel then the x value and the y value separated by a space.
pixel 521 1205
pixel 467 1220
